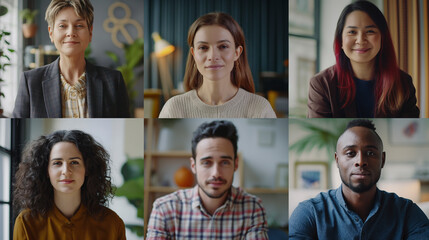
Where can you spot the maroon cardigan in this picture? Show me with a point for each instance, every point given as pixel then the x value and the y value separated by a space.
pixel 324 98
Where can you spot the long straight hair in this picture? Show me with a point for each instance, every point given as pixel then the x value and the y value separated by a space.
pixel 241 76
pixel 390 92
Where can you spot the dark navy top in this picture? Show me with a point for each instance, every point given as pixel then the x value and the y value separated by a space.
pixel 327 217
pixel 365 100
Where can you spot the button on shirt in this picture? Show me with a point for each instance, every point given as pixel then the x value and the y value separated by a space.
pixel 327 217
pixel 74 104
pixel 181 215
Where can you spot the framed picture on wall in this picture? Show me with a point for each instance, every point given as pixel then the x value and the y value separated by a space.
pixel 311 175
pixel 301 17
pixel 408 132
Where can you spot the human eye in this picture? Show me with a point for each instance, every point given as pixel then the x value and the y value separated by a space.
pixel 223 46
pixel 75 162
pixel 203 47
pixel 62 26
pixel 350 153
pixel 56 163
pixel 351 32
pixel 371 153
pixel 205 163
pixel 226 163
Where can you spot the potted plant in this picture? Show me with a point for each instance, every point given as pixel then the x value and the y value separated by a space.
pixel 29 28
pixel 4 51
pixel 132 189
pixel 133 58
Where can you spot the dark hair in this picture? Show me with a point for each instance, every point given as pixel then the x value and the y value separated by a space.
pixel 222 129
pixel 33 189
pixel 241 76
pixel 363 123
pixel 390 92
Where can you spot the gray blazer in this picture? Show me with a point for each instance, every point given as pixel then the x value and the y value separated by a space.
pixel 39 93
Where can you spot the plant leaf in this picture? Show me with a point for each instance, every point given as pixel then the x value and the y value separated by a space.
pixel 113 56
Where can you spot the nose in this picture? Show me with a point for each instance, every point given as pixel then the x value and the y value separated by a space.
pixel 213 54
pixel 216 170
pixel 71 32
pixel 361 38
pixel 361 160
pixel 66 169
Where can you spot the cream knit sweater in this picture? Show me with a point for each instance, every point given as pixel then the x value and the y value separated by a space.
pixel 242 105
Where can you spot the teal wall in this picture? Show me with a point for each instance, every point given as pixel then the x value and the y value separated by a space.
pixel 264 23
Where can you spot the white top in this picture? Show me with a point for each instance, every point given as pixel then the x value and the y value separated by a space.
pixel 243 105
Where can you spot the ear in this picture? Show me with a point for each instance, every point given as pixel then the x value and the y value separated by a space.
pixel 236 164
pixel 238 52
pixel 50 30
pixel 90 33
pixel 336 159
pixel 383 159
pixel 193 167
pixel 192 51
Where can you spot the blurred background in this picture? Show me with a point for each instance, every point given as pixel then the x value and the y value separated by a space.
pixel 264 23
pixel 123 141
pixel 312 26
pixel 117 43
pixel 312 144
pixel 263 164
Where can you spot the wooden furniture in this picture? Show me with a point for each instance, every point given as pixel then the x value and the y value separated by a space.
pixel 42 57
pixel 152 156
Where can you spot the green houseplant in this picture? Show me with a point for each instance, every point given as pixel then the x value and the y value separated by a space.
pixel 133 58
pixel 132 189
pixel 322 134
pixel 29 28
pixel 4 51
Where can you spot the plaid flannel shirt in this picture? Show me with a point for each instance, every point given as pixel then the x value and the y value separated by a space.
pixel 181 215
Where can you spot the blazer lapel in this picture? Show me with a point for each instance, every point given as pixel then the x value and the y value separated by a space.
pixel 94 92
pixel 52 91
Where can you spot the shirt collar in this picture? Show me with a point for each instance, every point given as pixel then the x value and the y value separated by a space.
pixel 377 202
pixel 79 85
pixel 78 215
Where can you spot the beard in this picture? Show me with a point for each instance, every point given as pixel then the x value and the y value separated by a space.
pixel 360 187
pixel 210 195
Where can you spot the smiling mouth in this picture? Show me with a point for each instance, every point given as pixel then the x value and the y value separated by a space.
pixel 66 181
pixel 362 50
pixel 214 67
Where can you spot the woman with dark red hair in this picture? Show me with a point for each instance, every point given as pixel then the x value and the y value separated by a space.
pixel 366 80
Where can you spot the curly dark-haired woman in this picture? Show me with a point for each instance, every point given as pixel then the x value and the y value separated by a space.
pixel 62 185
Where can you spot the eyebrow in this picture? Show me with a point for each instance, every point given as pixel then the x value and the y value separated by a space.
pixel 221 41
pixel 369 26
pixel 210 157
pixel 78 20
pixel 72 158
pixel 367 146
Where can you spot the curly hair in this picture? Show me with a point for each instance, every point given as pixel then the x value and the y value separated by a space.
pixel 33 189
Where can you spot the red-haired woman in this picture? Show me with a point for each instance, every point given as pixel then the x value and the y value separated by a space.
pixel 366 81
pixel 217 78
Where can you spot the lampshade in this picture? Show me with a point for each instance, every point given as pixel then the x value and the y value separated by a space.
pixel 162 47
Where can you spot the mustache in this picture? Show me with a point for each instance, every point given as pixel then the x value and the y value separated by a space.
pixel 219 179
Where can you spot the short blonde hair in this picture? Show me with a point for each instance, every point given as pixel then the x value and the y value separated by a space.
pixel 82 8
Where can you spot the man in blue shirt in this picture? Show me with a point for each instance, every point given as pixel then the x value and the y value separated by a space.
pixel 358 209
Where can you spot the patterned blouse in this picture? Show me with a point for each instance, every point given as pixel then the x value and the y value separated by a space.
pixel 73 98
